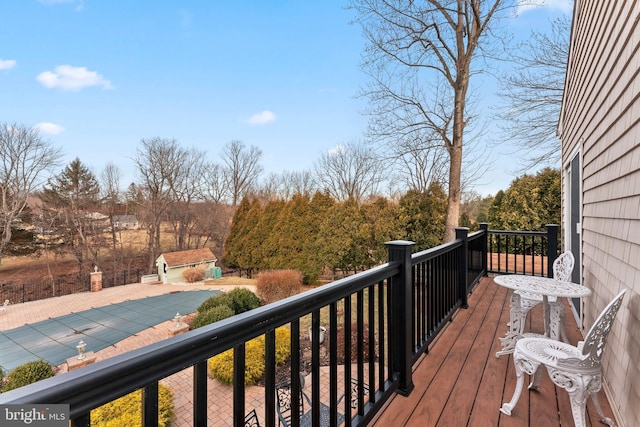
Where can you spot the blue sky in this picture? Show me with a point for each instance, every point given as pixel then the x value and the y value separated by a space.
pixel 96 76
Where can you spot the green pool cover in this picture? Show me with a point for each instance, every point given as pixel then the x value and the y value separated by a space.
pixel 55 340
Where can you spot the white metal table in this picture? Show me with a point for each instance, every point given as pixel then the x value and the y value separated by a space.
pixel 544 286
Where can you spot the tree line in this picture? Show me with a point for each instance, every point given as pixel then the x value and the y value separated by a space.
pixel 318 234
pixel 174 185
pixel 334 217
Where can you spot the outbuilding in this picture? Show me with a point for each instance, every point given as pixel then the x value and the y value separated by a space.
pixel 171 265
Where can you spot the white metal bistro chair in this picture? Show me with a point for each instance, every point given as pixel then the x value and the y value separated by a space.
pixel 3 307
pixel 562 269
pixel 576 369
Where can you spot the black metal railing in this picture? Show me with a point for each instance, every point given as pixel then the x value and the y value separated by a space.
pixel 369 344
pixel 523 252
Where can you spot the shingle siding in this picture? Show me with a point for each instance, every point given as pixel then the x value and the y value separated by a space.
pixel 601 118
pixel 171 265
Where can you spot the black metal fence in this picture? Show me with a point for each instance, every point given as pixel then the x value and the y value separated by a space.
pixel 366 317
pixel 120 277
pixel 33 291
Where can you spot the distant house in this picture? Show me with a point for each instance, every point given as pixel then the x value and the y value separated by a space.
pixel 172 264
pixel 126 222
pixel 95 221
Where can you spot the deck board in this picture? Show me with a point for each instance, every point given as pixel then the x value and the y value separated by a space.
pixel 460 382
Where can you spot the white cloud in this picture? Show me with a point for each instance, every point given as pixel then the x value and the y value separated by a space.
pixel 66 77
pixel 48 128
pixel 338 149
pixel 7 64
pixel 79 3
pixel 564 6
pixel 261 118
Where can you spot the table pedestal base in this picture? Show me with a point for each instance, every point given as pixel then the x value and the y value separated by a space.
pixel 518 317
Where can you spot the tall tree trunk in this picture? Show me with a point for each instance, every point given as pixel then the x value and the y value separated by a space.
pixel 453 205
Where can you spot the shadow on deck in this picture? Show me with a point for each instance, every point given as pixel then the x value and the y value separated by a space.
pixel 460 382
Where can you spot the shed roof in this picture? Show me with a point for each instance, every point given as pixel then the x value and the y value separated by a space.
pixel 125 218
pixel 191 256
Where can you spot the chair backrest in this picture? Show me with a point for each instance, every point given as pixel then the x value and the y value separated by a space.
pixel 563 266
pixel 596 339
pixel 251 419
pixel 284 397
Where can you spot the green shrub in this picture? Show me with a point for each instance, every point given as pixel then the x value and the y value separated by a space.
pixel 127 410
pixel 215 301
pixel 28 373
pixel 283 345
pixel 193 274
pixel 221 365
pixel 212 315
pixel 275 285
pixel 243 300
pixel 238 299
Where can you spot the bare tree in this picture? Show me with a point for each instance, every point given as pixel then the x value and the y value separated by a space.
pixel 214 188
pixel 352 171
pixel 269 187
pixel 420 55
pixel 25 158
pixel 242 168
pixel 186 189
pixel 533 94
pixel 158 161
pixel 110 180
pixel 422 161
pixel 297 182
pixel 285 185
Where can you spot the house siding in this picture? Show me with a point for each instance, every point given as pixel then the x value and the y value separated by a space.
pixel 177 262
pixel 600 118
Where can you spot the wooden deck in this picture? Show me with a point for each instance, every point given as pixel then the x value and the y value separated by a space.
pixel 460 382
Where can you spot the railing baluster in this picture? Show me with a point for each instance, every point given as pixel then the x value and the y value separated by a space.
pixel 371 338
pixel 315 369
pixel 382 355
pixel 424 308
pixel 270 375
pixel 333 363
pixel 295 381
pixel 150 405
pixel 390 337
pixel 347 360
pixel 360 347
pixel 200 394
pixel 238 384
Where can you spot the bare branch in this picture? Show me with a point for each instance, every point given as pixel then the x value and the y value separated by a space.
pixel 351 171
pixel 533 95
pixel 25 161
